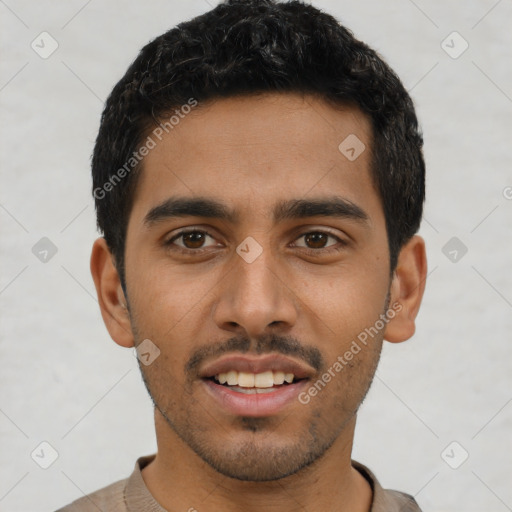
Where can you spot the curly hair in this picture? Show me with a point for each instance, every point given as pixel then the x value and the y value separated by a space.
pixel 244 47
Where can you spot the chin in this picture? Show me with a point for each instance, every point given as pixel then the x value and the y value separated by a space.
pixel 261 455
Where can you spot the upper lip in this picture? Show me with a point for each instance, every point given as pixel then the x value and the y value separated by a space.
pixel 260 364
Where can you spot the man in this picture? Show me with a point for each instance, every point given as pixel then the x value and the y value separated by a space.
pixel 259 181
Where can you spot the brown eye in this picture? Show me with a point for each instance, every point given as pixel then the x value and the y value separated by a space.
pixel 191 240
pixel 316 240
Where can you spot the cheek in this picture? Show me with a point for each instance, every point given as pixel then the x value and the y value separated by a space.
pixel 347 301
pixel 166 300
pixel 171 309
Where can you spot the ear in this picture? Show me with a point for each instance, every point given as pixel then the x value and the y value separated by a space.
pixel 110 293
pixel 407 287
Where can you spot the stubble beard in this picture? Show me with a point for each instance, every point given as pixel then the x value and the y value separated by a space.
pixel 253 459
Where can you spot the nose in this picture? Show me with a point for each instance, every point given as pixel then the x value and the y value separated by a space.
pixel 255 297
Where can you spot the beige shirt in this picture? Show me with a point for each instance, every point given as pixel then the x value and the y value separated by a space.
pixel 132 495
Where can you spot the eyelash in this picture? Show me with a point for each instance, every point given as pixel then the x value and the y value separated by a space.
pixel 315 252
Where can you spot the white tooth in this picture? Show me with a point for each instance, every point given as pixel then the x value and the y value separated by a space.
pixel 246 380
pixel 232 378
pixel 288 377
pixel 278 378
pixel 264 380
pixel 222 378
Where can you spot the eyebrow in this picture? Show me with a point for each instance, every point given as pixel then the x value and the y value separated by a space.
pixel 333 206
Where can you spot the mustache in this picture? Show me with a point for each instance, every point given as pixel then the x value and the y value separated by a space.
pixel 265 344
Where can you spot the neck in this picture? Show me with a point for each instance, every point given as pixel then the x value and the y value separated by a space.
pixel 330 483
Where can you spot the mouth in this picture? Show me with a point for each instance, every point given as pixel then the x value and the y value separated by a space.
pixel 245 386
pixel 254 383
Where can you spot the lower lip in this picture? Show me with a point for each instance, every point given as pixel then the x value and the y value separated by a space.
pixel 255 404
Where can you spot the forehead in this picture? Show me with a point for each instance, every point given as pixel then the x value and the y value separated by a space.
pixel 253 151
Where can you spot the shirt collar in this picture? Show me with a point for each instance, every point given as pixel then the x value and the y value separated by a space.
pixel 139 498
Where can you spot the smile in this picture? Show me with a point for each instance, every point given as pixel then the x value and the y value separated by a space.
pixel 266 379
pixel 254 387
pixel 254 383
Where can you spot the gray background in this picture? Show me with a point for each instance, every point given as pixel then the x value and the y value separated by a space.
pixel 65 382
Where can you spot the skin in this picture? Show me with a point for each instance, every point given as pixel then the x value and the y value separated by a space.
pixel 250 153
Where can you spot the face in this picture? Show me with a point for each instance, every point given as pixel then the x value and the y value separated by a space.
pixel 256 251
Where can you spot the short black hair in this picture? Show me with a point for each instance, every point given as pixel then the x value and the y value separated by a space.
pixel 244 47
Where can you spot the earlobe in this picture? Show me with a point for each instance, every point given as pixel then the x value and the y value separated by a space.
pixel 407 289
pixel 110 294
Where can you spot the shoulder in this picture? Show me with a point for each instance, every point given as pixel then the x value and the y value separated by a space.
pixel 110 498
pixel 386 500
pixel 400 500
